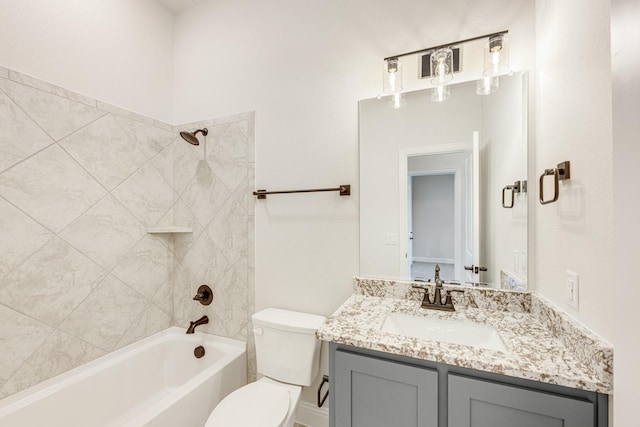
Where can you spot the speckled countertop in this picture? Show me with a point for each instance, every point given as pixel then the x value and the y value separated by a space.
pixel 543 344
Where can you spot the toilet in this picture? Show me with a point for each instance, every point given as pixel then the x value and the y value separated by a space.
pixel 288 357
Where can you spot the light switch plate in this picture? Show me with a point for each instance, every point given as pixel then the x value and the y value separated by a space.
pixel 573 287
pixel 391 239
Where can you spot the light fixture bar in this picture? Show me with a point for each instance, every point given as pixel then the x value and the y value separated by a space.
pixel 434 48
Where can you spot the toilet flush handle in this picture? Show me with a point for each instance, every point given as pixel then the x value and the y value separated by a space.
pixel 258 331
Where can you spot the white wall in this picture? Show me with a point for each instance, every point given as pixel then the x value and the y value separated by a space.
pixel 625 15
pixel 302 67
pixel 573 122
pixel 118 51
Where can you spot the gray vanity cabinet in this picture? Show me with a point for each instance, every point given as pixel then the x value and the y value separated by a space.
pixel 373 392
pixel 374 389
pixel 479 403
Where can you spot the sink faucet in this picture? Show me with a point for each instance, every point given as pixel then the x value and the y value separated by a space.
pixel 201 321
pixel 437 279
pixel 437 303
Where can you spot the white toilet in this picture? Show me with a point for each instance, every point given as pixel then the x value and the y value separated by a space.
pixel 288 356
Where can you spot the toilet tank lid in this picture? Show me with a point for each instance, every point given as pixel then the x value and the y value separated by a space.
pixel 287 320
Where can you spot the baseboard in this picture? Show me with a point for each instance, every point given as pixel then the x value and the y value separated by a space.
pixel 310 415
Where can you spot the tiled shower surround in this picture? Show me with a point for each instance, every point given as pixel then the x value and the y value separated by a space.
pixel 80 183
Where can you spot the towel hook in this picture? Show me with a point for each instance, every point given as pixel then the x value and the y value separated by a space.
pixel 560 173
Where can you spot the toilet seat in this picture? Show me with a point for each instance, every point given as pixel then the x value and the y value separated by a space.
pixel 258 404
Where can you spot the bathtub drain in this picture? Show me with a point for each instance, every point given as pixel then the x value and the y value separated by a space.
pixel 198 352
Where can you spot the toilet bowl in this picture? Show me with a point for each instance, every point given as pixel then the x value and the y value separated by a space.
pixel 288 358
pixel 264 403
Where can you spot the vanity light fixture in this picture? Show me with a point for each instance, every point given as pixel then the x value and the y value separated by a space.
pixel 392 75
pixel 442 67
pixel 496 56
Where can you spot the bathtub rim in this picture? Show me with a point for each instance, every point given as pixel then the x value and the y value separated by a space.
pixel 23 398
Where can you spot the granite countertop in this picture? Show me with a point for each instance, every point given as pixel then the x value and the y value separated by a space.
pixel 542 344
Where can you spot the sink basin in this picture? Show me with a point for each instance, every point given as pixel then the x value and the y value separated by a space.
pixel 463 332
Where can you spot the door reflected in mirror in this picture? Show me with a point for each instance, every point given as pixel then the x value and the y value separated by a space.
pixel 440 211
pixel 431 181
pixel 432 228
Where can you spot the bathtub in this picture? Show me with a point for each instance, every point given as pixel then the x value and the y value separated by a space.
pixel 155 382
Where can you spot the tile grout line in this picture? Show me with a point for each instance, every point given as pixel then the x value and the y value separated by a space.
pixel 55 328
pixel 100 285
pixel 140 118
pixel 50 85
pixel 53 235
pixel 28 115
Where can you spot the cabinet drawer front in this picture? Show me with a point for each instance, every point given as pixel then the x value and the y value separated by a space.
pixel 479 403
pixel 371 392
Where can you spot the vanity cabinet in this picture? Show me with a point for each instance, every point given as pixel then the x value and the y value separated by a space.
pixel 375 389
pixel 479 403
pixel 374 392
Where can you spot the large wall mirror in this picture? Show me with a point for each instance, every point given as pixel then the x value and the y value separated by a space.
pixel 437 186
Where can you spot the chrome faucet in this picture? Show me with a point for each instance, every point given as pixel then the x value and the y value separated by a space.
pixel 201 321
pixel 437 303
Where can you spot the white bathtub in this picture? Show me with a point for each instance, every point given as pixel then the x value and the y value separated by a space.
pixel 156 382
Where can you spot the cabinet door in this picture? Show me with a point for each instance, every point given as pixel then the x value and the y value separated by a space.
pixel 479 403
pixel 372 392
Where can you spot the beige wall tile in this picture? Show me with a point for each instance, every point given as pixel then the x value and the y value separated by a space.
pixel 21 237
pixel 146 195
pixel 58 116
pixel 105 233
pixel 51 283
pixel 105 315
pixel 51 187
pixel 104 149
pixel 20 137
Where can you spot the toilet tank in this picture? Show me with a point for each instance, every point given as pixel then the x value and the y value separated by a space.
pixel 287 349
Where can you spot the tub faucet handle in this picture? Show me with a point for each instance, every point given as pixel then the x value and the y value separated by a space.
pixel 204 295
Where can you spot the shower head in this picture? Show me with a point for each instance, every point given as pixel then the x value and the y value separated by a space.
pixel 191 137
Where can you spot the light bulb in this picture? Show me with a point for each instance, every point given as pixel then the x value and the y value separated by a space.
pixel 496 56
pixel 392 76
pixel 442 66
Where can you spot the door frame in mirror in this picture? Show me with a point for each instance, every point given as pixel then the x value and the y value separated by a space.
pixel 403 158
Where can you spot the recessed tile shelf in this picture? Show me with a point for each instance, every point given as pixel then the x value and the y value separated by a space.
pixel 169 230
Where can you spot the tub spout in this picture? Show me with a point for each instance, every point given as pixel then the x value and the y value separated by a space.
pixel 201 321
